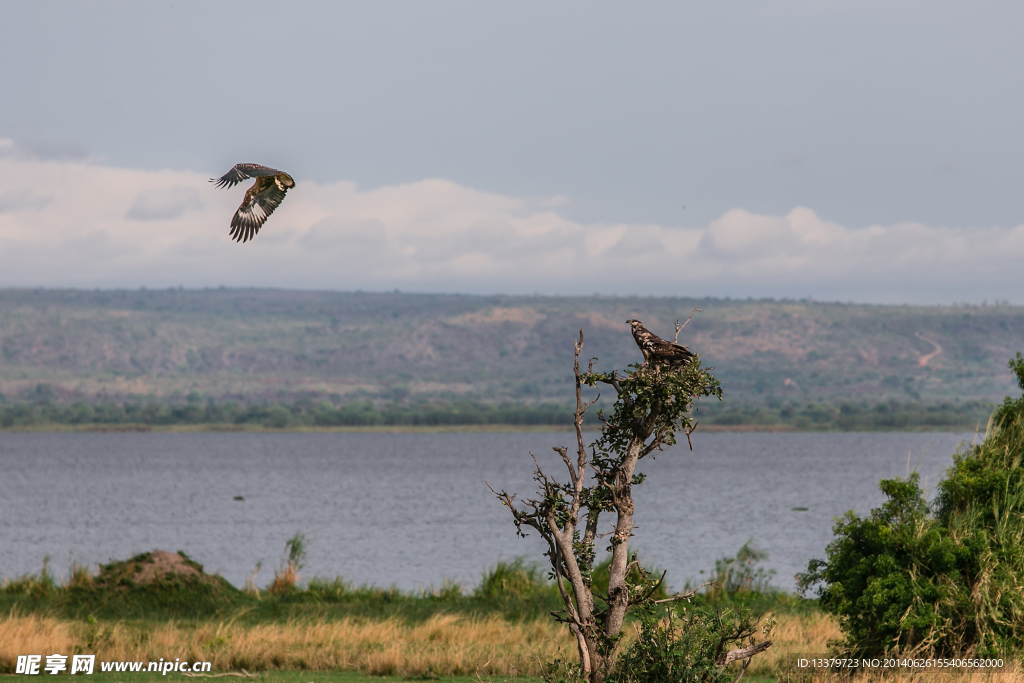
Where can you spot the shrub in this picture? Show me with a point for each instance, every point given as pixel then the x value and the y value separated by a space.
pixel 740 576
pixel 602 570
pixel 514 580
pixel 945 578
pixel 291 563
pixel 685 646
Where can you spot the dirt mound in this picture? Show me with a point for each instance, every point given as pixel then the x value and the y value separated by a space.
pixel 151 585
pixel 157 567
pixel 161 563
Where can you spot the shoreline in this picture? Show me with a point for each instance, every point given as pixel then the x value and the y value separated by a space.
pixel 432 429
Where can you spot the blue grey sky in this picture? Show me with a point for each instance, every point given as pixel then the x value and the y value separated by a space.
pixel 639 126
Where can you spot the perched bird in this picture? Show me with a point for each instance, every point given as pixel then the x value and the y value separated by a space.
pixel 265 195
pixel 657 349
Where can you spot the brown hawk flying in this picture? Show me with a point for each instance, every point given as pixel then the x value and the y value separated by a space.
pixel 265 195
pixel 657 349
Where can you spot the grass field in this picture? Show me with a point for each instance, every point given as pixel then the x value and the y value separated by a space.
pixel 327 631
pixel 443 647
pixel 289 677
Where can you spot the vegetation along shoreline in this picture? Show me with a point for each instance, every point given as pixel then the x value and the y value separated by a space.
pixel 475 416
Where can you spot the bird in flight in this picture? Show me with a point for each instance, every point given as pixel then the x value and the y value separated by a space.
pixel 657 349
pixel 265 195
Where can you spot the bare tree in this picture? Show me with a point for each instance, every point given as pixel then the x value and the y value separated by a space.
pixel 652 405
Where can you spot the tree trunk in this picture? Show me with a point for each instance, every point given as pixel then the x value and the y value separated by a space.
pixel 618 595
pixel 650 402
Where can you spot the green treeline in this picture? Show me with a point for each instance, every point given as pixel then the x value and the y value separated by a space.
pixel 281 416
pixel 814 416
pixel 853 416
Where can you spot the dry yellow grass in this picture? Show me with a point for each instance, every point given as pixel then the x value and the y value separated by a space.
pixel 810 634
pixel 1013 674
pixel 443 645
pixel 807 634
pixel 795 635
pixel 32 634
pixel 283 580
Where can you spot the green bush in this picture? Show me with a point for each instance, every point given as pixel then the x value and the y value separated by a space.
pixel 945 578
pixel 515 580
pixel 684 645
pixel 517 589
pixel 601 571
pixel 741 581
pixel 740 576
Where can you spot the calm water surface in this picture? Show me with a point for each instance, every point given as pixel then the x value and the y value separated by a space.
pixel 412 509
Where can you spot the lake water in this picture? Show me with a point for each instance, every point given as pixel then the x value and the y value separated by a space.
pixel 411 509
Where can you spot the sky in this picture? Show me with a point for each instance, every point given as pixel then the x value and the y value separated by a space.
pixel 854 151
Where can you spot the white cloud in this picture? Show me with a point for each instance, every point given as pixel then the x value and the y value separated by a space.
pixel 20 201
pixel 44 149
pixel 75 224
pixel 164 204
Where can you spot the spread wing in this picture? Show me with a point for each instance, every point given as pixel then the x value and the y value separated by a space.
pixel 240 172
pixel 253 212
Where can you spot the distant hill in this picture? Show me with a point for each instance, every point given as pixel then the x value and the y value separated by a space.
pixel 275 345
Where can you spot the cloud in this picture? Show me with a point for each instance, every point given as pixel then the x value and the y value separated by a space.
pixel 801 245
pixel 164 204
pixel 76 224
pixel 44 149
pixel 17 201
pixel 336 233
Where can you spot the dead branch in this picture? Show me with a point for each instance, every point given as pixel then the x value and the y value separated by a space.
pixel 564 452
pixel 581 449
pixel 746 653
pixel 688 432
pixel 684 596
pixel 679 328
pixel 746 663
pixel 244 674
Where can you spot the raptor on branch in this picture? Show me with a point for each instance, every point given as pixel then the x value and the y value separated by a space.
pixel 657 350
